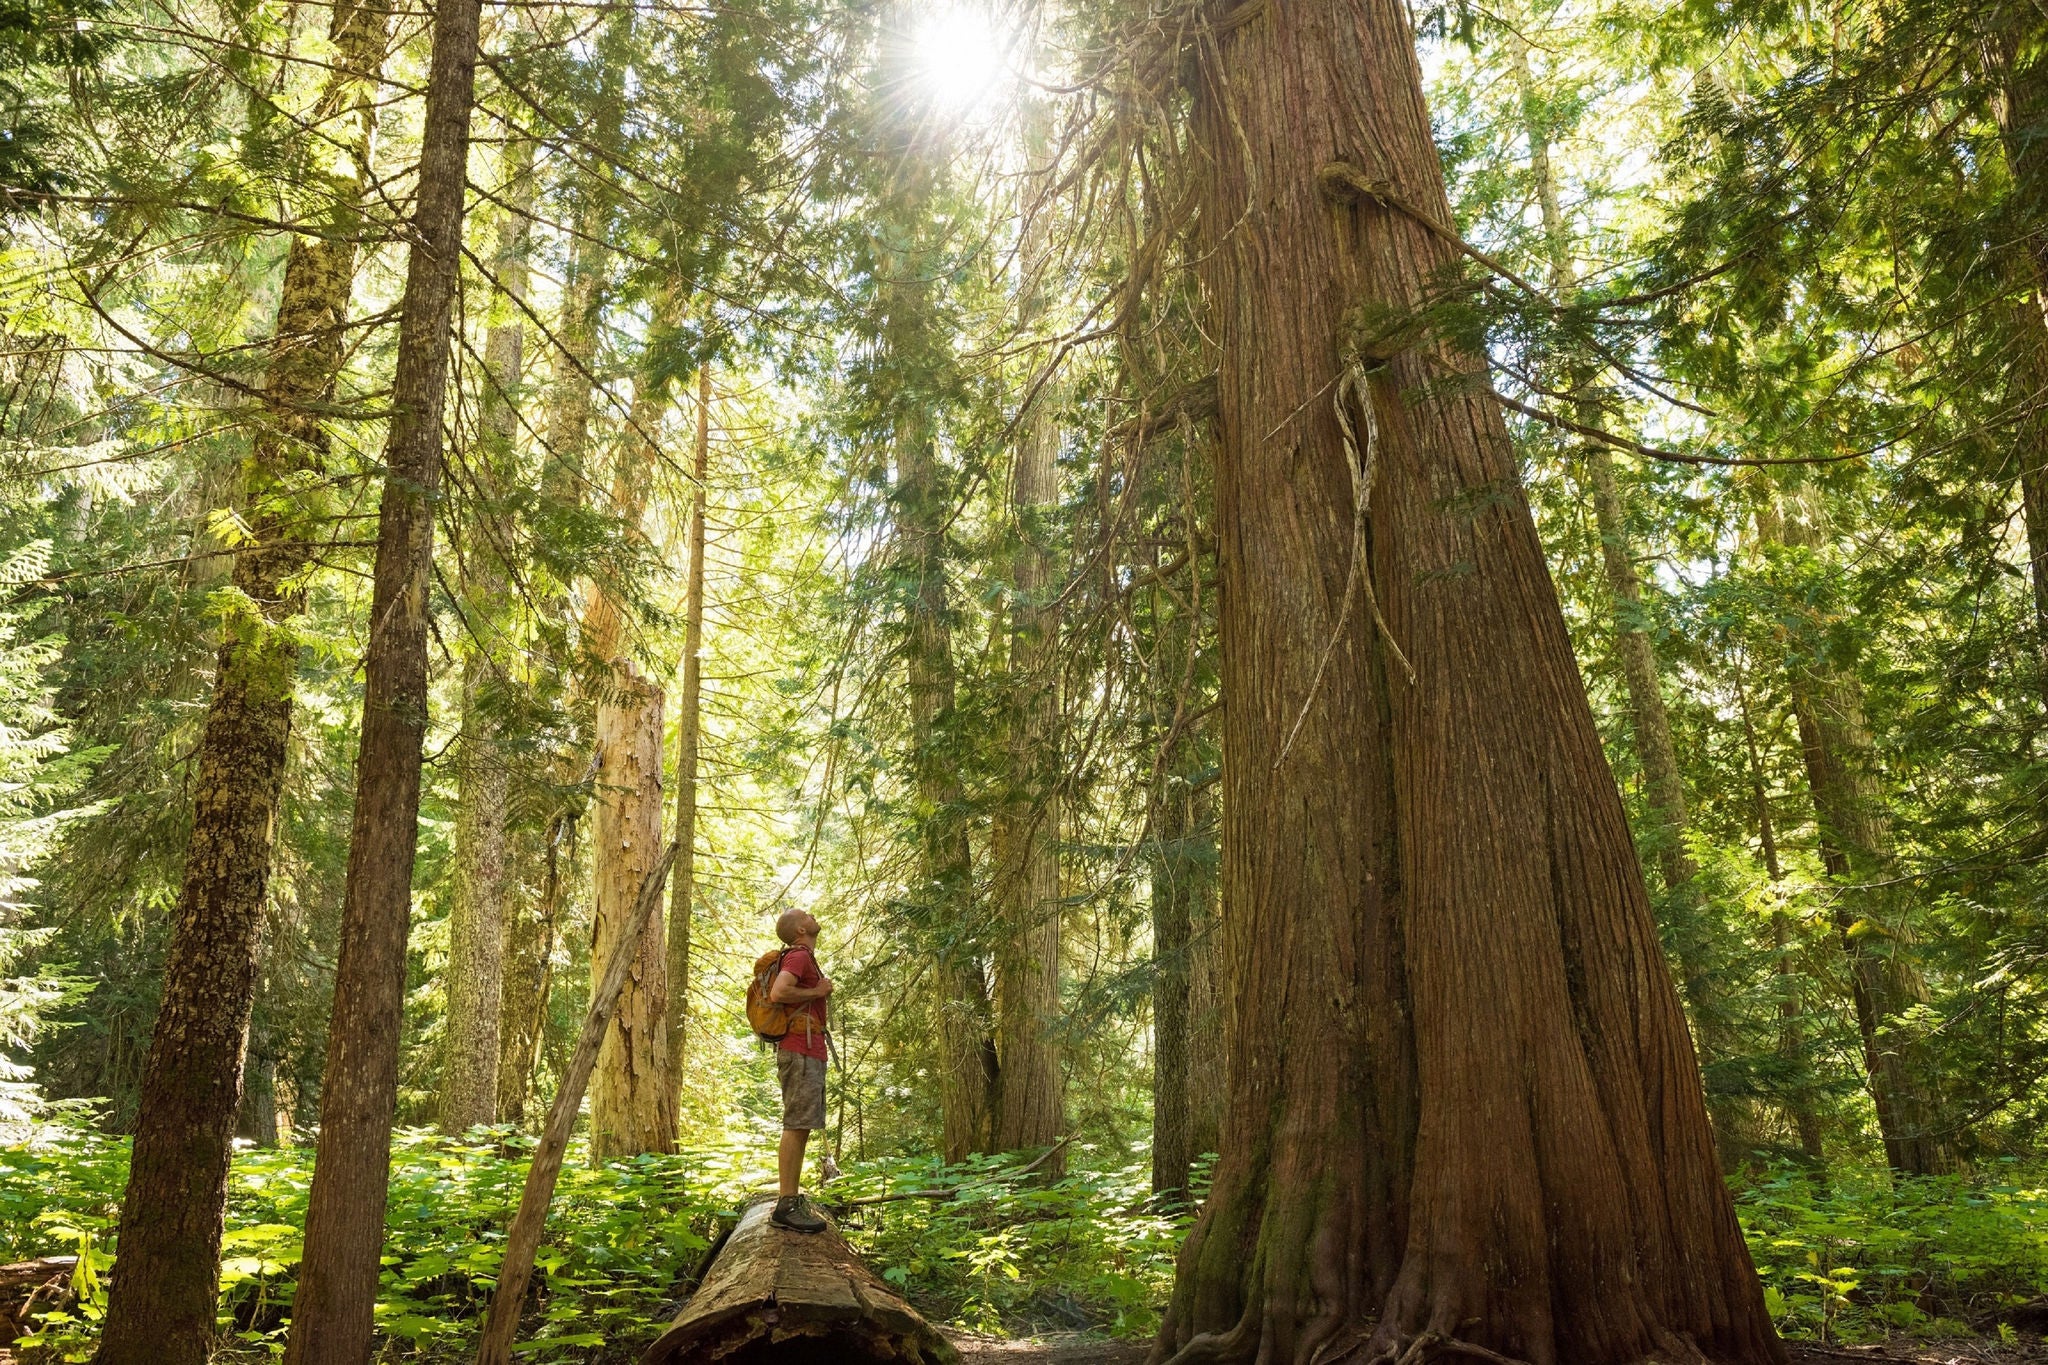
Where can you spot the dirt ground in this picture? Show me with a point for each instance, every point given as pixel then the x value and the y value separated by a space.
pixel 1078 1349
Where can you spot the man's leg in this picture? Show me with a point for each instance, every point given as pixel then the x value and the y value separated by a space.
pixel 789 1160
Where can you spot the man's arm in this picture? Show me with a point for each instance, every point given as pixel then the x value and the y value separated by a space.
pixel 786 991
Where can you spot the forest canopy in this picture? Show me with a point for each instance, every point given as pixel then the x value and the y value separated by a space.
pixel 1403 649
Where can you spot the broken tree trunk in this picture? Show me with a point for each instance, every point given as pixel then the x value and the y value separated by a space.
pixel 790 1297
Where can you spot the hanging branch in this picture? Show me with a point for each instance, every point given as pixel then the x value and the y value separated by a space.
pixel 522 1241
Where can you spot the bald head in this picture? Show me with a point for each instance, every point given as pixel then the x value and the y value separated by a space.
pixel 794 925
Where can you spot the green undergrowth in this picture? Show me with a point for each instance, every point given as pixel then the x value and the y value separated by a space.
pixel 984 1245
pixel 1859 1256
pixel 1002 1251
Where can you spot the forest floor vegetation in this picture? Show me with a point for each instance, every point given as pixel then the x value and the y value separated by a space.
pixel 1854 1267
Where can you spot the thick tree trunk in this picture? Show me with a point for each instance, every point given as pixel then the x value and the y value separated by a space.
pixel 529 975
pixel 332 1313
pixel 1030 1099
pixel 160 1311
pixel 476 919
pixel 632 1108
pixel 689 725
pixel 1465 1105
pixel 633 1102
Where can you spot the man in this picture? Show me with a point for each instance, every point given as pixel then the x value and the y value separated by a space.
pixel 800 1062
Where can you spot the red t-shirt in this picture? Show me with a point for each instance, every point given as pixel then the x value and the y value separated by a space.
pixel 802 964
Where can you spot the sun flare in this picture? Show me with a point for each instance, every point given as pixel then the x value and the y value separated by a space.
pixel 961 58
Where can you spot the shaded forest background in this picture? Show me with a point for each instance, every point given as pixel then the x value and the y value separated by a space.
pixel 826 479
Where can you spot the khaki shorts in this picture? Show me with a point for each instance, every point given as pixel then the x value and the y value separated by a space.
pixel 803 1089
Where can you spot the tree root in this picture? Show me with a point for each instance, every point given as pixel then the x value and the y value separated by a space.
pixel 1425 1346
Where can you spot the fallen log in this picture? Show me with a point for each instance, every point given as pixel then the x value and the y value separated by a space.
pixel 26 1286
pixel 773 1297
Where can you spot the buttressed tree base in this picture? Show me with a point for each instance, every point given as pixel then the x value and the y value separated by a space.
pixel 1464 1113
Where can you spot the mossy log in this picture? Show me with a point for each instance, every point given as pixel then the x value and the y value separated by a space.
pixel 790 1298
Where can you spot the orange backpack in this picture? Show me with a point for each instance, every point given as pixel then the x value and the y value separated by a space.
pixel 770 1021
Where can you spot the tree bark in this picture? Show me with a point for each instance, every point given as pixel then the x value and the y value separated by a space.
pixel 160 1311
pixel 689 724
pixel 921 508
pixel 477 917
pixel 332 1312
pixel 1856 847
pixel 1466 1111
pixel 807 1297
pixel 967 1056
pixel 2012 50
pixel 1030 1098
pixel 1173 1141
pixel 257 1121
pixel 632 1107
pixel 529 975
pixel 522 1238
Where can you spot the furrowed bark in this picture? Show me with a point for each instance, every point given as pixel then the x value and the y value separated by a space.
pixel 632 1108
pixel 477 919
pixel 160 1310
pixel 689 724
pixel 1466 1111
pixel 633 1097
pixel 332 1312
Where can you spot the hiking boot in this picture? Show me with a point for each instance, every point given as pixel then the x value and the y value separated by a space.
pixel 794 1213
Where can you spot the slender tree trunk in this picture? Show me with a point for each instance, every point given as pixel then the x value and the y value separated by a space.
pixel 1884 983
pixel 160 1310
pixel 1799 1103
pixel 922 510
pixel 1173 1142
pixel 332 1313
pixel 529 975
pixel 1465 1109
pixel 2012 51
pixel 1208 986
pixel 632 1107
pixel 1856 847
pixel 1649 722
pixel 967 1078
pixel 1030 1100
pixel 477 918
pixel 689 723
